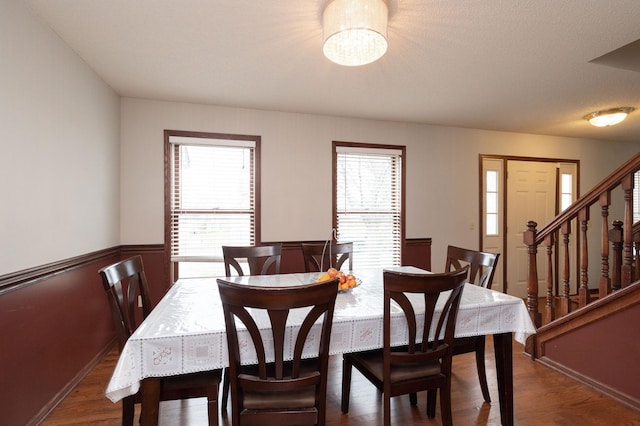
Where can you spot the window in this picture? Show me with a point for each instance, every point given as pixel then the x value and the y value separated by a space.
pixel 566 190
pixel 369 202
pixel 491 196
pixel 212 197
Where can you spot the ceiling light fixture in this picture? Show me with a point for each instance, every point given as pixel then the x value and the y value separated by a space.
pixel 355 31
pixel 608 117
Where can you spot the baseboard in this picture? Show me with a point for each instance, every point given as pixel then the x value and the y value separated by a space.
pixel 64 392
pixel 598 386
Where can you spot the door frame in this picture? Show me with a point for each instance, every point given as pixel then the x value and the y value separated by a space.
pixel 504 202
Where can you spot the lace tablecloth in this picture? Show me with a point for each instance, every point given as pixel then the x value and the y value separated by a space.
pixel 185 332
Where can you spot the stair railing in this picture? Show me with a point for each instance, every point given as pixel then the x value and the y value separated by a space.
pixel 621 239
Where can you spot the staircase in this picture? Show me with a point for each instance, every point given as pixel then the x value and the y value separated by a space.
pixel 579 317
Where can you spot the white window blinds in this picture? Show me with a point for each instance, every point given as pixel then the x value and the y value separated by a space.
pixel 213 197
pixel 368 204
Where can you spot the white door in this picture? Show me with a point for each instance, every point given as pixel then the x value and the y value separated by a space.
pixel 531 195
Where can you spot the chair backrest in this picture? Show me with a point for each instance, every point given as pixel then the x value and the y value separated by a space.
pixel 262 307
pixel 123 282
pixel 323 256
pixel 399 287
pixel 262 260
pixel 482 265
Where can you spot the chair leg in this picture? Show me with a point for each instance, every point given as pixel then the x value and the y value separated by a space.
pixel 445 404
pixel 387 410
pixel 482 373
pixel 413 398
pixel 431 403
pixel 212 405
pixel 346 384
pixel 128 407
pixel 225 391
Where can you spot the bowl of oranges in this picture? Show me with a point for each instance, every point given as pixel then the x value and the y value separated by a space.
pixel 347 281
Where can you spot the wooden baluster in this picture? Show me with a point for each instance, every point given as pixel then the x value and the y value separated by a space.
pixel 627 250
pixel 565 301
pixel 615 236
pixel 529 237
pixel 583 291
pixel 636 266
pixel 550 310
pixel 605 281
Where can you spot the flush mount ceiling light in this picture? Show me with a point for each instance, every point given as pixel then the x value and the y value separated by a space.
pixel 608 117
pixel 355 31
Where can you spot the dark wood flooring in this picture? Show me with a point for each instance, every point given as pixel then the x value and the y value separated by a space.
pixel 542 397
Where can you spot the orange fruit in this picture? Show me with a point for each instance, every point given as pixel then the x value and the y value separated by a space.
pixel 323 277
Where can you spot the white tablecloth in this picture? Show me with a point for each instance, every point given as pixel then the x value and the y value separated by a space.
pixel 185 333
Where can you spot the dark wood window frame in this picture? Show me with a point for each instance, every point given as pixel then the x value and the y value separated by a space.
pixel 173 272
pixel 403 173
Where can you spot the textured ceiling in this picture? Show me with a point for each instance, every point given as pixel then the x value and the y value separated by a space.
pixel 513 65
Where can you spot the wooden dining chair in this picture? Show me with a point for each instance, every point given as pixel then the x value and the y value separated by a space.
pixel 262 260
pixel 482 267
pixel 422 364
pixel 277 391
pixel 320 257
pixel 125 282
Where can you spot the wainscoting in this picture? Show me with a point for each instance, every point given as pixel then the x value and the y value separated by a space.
pixel 55 323
pixel 55 326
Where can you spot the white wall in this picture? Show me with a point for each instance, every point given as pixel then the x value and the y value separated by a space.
pixel 60 148
pixel 71 189
pixel 442 168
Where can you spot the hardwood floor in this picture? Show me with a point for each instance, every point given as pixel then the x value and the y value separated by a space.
pixel 542 397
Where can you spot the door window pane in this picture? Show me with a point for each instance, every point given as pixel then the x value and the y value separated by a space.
pixel 491 197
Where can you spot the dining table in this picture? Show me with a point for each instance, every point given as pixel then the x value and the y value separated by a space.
pixel 185 332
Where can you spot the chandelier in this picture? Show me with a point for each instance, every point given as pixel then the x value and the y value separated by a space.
pixel 355 31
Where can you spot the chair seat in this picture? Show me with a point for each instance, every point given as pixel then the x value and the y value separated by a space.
pixel 299 399
pixel 373 362
pixel 189 385
pixel 281 400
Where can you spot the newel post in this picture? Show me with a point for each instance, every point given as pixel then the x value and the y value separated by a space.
pixel 529 237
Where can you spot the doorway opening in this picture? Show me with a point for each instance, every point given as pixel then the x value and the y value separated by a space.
pixel 513 191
